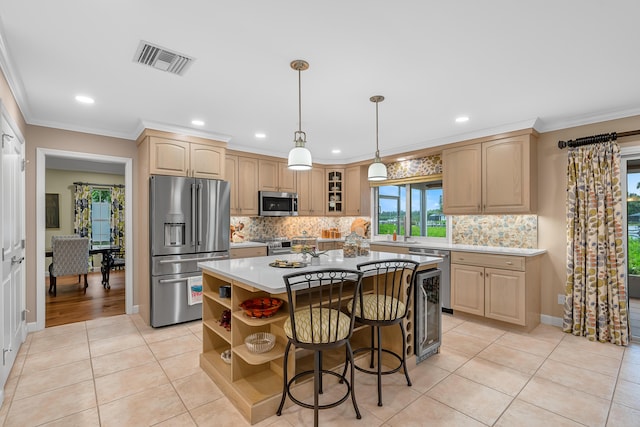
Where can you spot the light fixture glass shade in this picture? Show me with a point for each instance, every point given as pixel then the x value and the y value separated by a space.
pixel 377 171
pixel 300 159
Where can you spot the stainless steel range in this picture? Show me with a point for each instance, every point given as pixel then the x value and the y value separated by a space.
pixel 276 245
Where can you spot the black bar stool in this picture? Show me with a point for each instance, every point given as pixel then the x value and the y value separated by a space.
pixel 385 304
pixel 319 322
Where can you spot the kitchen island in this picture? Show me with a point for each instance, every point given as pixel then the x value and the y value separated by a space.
pixel 253 381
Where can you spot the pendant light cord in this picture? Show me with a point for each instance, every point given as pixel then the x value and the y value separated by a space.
pixel 299 101
pixel 377 150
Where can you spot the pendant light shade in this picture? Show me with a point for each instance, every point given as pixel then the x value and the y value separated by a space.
pixel 377 169
pixel 299 156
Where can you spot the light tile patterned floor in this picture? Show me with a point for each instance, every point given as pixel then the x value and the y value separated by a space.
pixel 116 371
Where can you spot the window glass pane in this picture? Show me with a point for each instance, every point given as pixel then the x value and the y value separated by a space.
pixel 100 217
pixel 391 209
pixel 424 204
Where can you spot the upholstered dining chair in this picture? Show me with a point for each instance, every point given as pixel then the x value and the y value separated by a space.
pixel 385 304
pixel 70 257
pixel 319 322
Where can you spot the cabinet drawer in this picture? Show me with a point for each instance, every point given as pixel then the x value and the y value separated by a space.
pixel 248 252
pixel 506 262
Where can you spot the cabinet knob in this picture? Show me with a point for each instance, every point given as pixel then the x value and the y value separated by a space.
pixel 509 263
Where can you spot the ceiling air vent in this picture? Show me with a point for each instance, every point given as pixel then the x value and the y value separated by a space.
pixel 161 58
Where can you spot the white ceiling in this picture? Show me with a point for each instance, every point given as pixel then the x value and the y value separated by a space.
pixel 506 64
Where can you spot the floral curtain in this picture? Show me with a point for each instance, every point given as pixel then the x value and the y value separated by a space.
pixel 82 210
pixel 596 303
pixel 117 218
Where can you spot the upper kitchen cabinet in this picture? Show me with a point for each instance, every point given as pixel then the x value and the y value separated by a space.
pixel 335 186
pixel 357 196
pixel 202 159
pixel 492 177
pixel 276 176
pixel 310 185
pixel 242 174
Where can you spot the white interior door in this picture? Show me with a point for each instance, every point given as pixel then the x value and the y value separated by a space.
pixel 12 235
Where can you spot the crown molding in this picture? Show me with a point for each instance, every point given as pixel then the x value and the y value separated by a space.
pixel 13 78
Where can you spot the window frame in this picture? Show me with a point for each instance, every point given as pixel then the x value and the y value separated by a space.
pixel 407 216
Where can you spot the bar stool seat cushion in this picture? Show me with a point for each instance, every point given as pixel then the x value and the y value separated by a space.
pixel 379 307
pixel 319 328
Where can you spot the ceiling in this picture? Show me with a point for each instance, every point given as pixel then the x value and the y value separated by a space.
pixel 506 65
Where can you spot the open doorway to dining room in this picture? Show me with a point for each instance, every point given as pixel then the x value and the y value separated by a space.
pixel 71 304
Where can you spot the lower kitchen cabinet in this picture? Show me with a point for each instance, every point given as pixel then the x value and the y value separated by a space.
pixel 499 287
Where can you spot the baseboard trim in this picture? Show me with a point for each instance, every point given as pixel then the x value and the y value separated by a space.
pixel 550 320
pixel 32 327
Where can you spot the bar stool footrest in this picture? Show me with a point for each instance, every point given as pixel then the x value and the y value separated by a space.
pixel 375 350
pixel 343 380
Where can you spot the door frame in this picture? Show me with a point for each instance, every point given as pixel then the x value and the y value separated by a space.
pixel 627 153
pixel 41 289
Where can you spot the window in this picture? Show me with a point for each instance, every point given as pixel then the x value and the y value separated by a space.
pixel 100 216
pixel 424 206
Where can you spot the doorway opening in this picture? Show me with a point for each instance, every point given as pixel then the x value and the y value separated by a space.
pixel 633 245
pixel 55 158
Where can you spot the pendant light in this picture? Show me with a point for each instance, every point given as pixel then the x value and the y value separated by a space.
pixel 377 169
pixel 299 156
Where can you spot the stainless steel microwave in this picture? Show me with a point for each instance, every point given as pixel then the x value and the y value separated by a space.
pixel 274 203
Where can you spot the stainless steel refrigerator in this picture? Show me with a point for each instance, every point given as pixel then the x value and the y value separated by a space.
pixel 189 223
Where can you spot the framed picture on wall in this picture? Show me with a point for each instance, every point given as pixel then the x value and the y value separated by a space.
pixel 52 211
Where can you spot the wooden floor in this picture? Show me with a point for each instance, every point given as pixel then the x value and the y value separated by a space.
pixel 72 305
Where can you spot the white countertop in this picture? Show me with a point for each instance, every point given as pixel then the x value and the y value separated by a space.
pixel 256 271
pixel 499 250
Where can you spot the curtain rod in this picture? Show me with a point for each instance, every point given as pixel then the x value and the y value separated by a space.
pixel 594 139
pixel 99 185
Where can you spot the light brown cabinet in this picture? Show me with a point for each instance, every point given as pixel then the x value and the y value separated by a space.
pixel 276 176
pixel 491 177
pixel 499 287
pixel 330 245
pixel 357 195
pixel 184 158
pixel 310 185
pixel 242 174
pixel 389 248
pixel 334 192
pixel 248 252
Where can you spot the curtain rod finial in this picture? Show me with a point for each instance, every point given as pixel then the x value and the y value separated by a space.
pixel 562 144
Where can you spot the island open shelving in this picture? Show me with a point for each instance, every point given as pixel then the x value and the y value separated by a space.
pixel 253 381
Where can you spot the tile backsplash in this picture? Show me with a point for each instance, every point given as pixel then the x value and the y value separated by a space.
pixel 512 231
pixel 256 227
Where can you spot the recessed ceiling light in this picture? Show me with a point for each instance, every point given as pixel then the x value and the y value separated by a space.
pixel 462 119
pixel 261 135
pixel 84 99
pixel 336 151
pixel 197 122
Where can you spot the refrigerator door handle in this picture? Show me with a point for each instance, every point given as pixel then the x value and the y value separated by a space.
pixel 193 214
pixel 177 261
pixel 172 280
pixel 199 212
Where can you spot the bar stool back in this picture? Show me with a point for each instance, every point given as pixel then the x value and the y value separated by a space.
pixel 385 303
pixel 321 318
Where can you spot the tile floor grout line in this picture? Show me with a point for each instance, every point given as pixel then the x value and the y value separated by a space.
pixel 529 380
